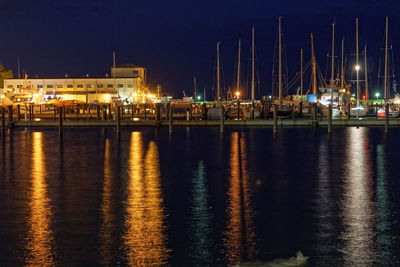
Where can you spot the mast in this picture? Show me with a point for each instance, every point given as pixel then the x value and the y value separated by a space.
pixel 280 62
pixel 314 67
pixel 252 64
pixel 19 74
pixel 218 78
pixel 301 72
pixel 333 60
pixel 195 89
pixel 366 73
pixel 357 65
pixel 238 70
pixel 342 68
pixel 204 94
pixel 386 60
pixel 114 70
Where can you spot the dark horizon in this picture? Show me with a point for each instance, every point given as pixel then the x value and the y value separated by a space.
pixel 176 40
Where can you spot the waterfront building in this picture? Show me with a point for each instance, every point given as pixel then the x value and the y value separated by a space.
pixel 126 83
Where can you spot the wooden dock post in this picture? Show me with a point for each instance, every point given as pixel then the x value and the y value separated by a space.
pixel 77 112
pixel 292 112
pixel 330 118
pixel 18 112
pixel 104 113
pixel 10 116
pixel 190 113
pixel 158 112
pixel 170 118
pixel 252 110
pixel 275 117
pixel 60 120
pixel 145 112
pixel 32 112
pixel 3 119
pixel 203 111
pixel 222 121
pixel 238 108
pixel 54 112
pixel 301 109
pixel 132 110
pixel 387 118
pixel 109 111
pixel 348 111
pixel 315 115
pixel 118 113
pixel 98 112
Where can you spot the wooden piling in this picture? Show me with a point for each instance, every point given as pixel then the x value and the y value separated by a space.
pixel 32 112
pixel 18 112
pixel 330 118
pixel 145 111
pixel 118 119
pixel 204 111
pixel 301 109
pixel 190 113
pixel 104 113
pixel 109 111
pixel 275 117
pixel 170 118
pixel 77 112
pixel 348 111
pixel 3 119
pixel 54 112
pixel 315 115
pixel 238 108
pixel 10 116
pixel 387 118
pixel 60 120
pixel 158 112
pixel 292 112
pixel 98 112
pixel 222 121
pixel 252 110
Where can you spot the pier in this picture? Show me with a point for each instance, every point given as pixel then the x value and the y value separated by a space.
pixel 194 115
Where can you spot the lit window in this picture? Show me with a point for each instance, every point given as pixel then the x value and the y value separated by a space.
pixel 110 86
pixel 70 86
pixel 50 86
pixel 79 86
pixel 9 86
pixel 130 85
pixel 19 86
pixel 59 86
pixel 120 85
pixel 40 86
pixel 89 86
pixel 100 85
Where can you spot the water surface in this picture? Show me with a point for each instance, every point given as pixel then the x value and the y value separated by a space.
pixel 198 197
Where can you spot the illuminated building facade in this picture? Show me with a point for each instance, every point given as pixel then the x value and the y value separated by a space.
pixel 127 83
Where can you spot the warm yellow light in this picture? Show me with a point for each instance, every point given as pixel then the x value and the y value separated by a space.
pixel 357 67
pixel 107 97
pixel 135 119
pixel 37 119
pixel 237 93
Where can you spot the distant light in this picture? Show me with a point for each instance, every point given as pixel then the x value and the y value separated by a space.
pixel 377 94
pixel 357 67
pixel 37 119
pixel 198 97
pixel 353 95
pixel 269 96
pixel 135 119
pixel 364 96
pixel 237 93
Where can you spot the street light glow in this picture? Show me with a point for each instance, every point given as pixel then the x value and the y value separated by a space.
pixel 237 93
pixel 357 67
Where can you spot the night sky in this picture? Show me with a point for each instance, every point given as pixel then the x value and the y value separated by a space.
pixel 175 40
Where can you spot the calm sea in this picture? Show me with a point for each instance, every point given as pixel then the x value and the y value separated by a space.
pixel 198 197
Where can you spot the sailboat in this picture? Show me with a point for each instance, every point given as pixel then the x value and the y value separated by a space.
pixel 393 113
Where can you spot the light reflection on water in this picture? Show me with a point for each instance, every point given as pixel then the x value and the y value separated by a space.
pixel 107 227
pixel 358 206
pixel 348 207
pixel 144 238
pixel 201 219
pixel 239 234
pixel 40 236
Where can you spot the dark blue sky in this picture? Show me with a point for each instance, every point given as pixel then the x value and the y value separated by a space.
pixel 176 40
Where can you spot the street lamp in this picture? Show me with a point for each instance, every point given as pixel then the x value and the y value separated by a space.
pixel 237 94
pixel 358 92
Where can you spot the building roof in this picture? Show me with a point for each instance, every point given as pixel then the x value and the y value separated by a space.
pixel 128 65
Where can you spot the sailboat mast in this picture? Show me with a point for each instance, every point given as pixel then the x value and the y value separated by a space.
pixel 195 89
pixel 280 62
pixel 218 78
pixel 19 74
pixel 252 64
pixel 357 65
pixel 385 94
pixel 314 67
pixel 366 73
pixel 342 68
pixel 301 72
pixel 333 60
pixel 238 69
pixel 333 54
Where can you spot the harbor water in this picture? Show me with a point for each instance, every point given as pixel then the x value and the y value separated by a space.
pixel 199 197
